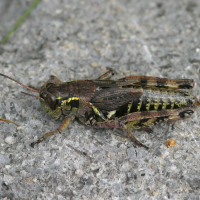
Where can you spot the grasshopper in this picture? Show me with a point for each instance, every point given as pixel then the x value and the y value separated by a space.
pixel 133 102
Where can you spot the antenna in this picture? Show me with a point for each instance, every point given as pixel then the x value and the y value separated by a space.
pixel 33 96
pixel 29 88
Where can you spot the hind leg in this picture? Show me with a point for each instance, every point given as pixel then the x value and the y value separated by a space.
pixel 140 120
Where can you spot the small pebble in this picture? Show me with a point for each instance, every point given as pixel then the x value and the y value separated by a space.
pixel 9 140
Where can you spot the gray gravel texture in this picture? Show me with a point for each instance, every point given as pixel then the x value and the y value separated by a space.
pixel 79 40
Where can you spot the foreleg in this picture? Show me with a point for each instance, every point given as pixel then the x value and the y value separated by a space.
pixel 60 129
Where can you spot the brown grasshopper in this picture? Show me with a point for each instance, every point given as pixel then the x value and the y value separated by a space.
pixel 133 102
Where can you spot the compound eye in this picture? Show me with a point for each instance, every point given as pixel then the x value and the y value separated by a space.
pixel 51 100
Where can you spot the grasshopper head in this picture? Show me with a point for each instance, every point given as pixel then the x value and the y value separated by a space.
pixel 48 97
pixel 48 102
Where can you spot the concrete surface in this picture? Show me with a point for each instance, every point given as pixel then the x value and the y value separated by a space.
pixel 79 40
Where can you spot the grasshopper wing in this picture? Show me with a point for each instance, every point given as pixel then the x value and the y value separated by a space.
pixel 109 99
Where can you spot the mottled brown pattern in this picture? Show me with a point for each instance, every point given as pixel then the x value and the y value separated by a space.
pixel 132 102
